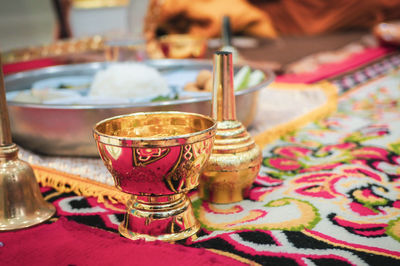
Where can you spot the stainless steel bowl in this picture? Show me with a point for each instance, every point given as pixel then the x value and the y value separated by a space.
pixel 67 129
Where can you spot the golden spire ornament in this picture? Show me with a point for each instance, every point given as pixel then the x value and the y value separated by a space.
pixel 236 159
pixel 21 202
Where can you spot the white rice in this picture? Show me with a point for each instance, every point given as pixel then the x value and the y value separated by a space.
pixel 129 80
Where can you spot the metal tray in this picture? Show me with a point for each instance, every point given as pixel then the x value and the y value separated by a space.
pixel 66 130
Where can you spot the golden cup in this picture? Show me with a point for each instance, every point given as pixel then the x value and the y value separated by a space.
pixel 156 157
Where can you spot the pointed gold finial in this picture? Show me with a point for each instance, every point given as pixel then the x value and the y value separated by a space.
pixel 235 159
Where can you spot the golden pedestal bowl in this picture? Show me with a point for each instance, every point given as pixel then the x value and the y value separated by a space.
pixel 156 157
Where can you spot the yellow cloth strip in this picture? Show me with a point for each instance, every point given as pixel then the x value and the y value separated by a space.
pixel 318 113
pixel 64 182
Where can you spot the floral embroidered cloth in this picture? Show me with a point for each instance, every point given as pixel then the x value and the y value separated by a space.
pixel 328 192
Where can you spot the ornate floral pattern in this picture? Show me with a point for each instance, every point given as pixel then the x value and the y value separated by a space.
pixel 336 181
pixel 327 194
pixel 148 154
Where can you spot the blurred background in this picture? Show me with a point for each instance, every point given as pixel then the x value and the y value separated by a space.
pixel 25 22
pixel 274 32
pixel 295 39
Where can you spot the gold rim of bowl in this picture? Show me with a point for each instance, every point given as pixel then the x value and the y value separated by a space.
pixel 158 141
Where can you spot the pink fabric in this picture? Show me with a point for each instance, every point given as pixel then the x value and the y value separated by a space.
pixel 29 65
pixel 69 243
pixel 330 70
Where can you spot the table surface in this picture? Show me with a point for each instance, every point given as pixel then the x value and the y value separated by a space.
pixel 288 49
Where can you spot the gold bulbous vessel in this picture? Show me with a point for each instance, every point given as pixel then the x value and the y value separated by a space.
pixel 236 159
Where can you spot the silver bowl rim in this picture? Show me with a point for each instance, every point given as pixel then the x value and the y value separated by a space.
pixel 270 76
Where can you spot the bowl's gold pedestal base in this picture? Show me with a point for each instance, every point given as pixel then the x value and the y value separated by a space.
pixel 167 218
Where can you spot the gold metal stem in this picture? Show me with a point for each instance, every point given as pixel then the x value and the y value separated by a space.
pixel 223 97
pixel 5 131
pixel 21 203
